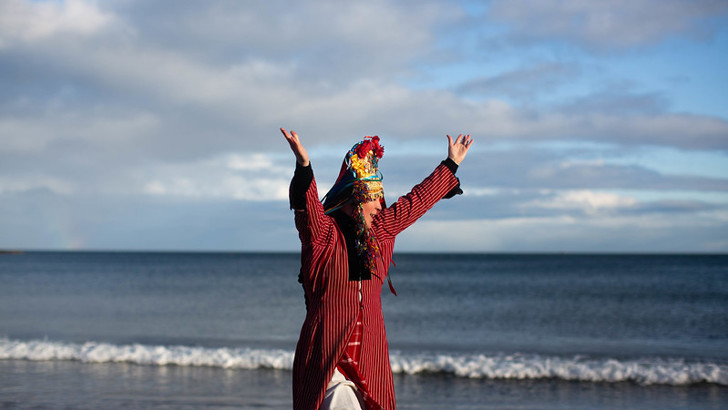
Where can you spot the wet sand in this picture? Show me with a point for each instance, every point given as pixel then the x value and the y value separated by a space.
pixel 70 384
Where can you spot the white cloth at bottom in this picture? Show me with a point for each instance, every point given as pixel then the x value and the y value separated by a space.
pixel 342 394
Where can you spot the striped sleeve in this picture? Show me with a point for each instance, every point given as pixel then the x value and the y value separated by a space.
pixel 312 224
pixel 396 218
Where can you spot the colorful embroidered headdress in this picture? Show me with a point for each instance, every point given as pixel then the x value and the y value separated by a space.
pixel 359 180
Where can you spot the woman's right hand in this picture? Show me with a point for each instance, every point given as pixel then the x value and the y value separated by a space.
pixel 296 147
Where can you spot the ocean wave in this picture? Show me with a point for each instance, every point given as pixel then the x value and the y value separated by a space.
pixel 92 352
pixel 671 371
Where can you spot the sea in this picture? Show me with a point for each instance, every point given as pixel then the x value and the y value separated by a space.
pixel 189 330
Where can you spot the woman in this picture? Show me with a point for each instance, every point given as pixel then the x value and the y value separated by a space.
pixel 342 358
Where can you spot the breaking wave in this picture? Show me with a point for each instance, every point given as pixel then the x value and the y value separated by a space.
pixel 671 371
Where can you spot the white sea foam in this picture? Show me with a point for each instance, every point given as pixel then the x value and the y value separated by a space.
pixel 519 366
pixel 90 352
pixel 673 371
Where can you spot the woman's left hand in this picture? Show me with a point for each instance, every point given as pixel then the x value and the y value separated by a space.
pixel 457 150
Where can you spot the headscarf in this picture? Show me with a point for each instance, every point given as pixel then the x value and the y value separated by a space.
pixel 359 182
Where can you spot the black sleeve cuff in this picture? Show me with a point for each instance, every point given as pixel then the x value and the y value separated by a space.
pixel 451 165
pixel 302 178
pixel 455 191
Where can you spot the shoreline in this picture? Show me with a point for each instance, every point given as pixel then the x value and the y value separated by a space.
pixel 73 384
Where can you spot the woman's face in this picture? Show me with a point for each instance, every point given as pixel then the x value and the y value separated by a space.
pixel 370 210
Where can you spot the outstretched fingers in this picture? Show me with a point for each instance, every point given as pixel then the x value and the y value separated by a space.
pixel 461 139
pixel 290 136
pixel 459 148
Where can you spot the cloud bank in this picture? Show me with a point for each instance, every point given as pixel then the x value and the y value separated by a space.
pixel 132 119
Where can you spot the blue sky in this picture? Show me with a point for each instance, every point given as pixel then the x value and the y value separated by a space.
pixel 138 125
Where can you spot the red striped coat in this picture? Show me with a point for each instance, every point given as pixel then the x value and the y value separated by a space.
pixel 333 301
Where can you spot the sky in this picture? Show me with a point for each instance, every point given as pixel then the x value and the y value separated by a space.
pixel 154 125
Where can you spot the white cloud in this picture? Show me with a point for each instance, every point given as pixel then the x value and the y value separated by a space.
pixel 165 92
pixel 586 201
pixel 612 24
pixel 53 184
pixel 35 134
pixel 255 162
pixel 331 41
pixel 252 177
pixel 146 101
pixel 524 82
pixel 225 187
pixel 640 233
pixel 484 191
pixel 30 21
